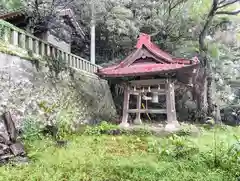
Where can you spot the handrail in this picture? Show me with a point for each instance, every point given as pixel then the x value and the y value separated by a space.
pixel 26 41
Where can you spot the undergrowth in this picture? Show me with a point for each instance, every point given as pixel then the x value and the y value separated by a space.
pixel 99 155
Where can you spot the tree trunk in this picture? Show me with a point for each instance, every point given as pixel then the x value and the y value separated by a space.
pixel 209 94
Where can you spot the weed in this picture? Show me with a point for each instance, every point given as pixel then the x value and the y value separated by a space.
pixel 31 129
pixel 104 157
pixel 102 128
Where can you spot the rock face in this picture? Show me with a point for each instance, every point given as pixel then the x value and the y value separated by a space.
pixel 25 88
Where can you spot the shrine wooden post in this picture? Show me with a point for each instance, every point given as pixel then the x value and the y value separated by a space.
pixel 138 113
pixel 170 102
pixel 125 106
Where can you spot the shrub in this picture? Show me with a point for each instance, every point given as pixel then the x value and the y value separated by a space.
pixel 175 147
pixel 31 129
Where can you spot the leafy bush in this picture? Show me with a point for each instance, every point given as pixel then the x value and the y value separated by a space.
pixel 31 129
pixel 178 147
pixel 64 123
pixel 175 147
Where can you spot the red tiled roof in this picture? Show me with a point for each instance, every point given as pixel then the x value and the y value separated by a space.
pixel 137 70
pixel 139 62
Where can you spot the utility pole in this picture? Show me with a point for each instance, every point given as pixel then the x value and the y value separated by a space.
pixel 92 54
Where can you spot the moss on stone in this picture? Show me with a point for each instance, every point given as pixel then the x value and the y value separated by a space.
pixel 15 51
pixel 4 24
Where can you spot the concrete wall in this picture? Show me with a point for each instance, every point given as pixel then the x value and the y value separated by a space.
pixel 58 43
pixel 23 88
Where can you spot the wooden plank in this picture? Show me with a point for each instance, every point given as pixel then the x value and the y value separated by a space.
pixel 6 156
pixel 148 82
pixel 17 149
pixel 4 138
pixel 160 92
pixel 4 148
pixel 153 111
pixel 10 126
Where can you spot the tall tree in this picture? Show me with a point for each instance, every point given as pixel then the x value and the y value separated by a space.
pixel 218 7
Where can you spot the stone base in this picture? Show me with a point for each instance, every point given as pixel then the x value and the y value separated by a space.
pixel 172 126
pixel 124 125
pixel 137 121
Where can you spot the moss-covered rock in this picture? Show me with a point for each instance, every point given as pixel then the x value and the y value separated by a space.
pixel 72 97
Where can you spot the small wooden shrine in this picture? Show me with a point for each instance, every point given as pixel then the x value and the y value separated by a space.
pixel 150 71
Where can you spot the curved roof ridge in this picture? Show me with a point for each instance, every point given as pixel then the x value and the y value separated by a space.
pixel 145 39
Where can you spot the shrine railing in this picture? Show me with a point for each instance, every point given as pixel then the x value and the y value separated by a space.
pixel 26 42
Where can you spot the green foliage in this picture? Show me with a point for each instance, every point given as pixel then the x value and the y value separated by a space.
pixel 56 64
pixel 31 129
pixel 47 108
pixel 128 158
pixel 178 148
pixel 141 132
pixel 111 129
pixel 63 123
pixel 102 128
pixel 60 114
pixel 10 5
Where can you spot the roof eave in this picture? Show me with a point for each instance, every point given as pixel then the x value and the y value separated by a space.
pixel 11 15
pixel 106 75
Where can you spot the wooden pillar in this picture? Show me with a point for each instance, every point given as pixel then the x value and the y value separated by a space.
pixel 138 114
pixel 170 100
pixel 125 107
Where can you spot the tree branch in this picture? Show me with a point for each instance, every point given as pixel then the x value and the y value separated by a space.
pixel 206 25
pixel 229 12
pixel 223 1
pixel 227 4
pixel 178 3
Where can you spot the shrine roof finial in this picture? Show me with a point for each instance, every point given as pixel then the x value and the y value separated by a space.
pixel 143 39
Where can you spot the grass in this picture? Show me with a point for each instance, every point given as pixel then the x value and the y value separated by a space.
pixel 127 157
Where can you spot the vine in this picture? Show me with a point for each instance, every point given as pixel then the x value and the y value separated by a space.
pixel 56 65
